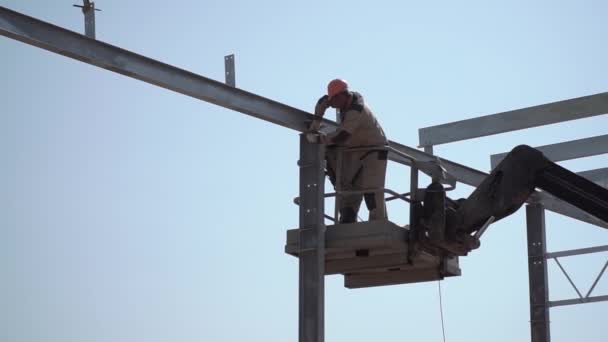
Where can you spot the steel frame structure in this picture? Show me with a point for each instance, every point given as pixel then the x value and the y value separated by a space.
pixel 52 38
pixel 535 212
pixel 86 49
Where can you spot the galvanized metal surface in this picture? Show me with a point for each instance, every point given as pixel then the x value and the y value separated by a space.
pixel 579 251
pixel 566 150
pixel 230 70
pixel 311 242
pixel 559 264
pixel 545 114
pixel 537 273
pixel 578 301
pixel 597 279
pixel 88 9
pixel 556 205
pixel 599 176
pixel 71 44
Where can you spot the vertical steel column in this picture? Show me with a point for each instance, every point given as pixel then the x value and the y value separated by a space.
pixel 537 270
pixel 312 242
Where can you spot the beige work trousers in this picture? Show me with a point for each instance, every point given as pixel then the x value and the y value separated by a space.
pixel 359 171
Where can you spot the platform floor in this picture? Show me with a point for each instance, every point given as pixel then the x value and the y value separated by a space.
pixel 375 253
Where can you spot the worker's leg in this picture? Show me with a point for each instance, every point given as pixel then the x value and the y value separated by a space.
pixel 350 171
pixel 330 165
pixel 373 177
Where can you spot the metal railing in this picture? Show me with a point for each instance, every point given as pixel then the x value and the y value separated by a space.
pixel 433 168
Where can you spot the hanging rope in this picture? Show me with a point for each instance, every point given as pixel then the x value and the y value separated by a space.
pixel 441 310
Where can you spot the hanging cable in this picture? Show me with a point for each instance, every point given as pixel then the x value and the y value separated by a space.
pixel 441 310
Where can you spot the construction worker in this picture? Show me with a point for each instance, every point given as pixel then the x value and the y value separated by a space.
pixel 360 170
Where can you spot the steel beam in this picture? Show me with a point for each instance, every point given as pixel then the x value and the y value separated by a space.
pixel 537 273
pixel 598 176
pixel 566 150
pixel 545 114
pixel 578 301
pixel 558 206
pixel 73 45
pixel 311 241
pixel 579 251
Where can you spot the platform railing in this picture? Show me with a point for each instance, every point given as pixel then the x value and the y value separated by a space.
pixel 409 196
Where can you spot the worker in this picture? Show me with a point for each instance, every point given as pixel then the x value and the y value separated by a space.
pixel 360 170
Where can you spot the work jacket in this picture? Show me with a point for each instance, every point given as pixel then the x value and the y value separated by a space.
pixel 358 126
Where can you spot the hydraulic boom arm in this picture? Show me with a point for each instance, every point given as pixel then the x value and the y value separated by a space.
pixel 449 224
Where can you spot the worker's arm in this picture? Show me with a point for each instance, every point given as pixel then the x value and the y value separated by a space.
pixel 350 122
pixel 320 108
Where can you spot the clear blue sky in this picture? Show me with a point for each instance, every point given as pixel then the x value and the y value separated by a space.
pixel 130 213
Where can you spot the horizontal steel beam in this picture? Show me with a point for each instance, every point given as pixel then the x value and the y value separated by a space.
pixel 556 205
pixel 578 301
pixel 579 251
pixel 73 45
pixel 545 114
pixel 598 176
pixel 566 150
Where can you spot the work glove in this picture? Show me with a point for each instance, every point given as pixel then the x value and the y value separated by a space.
pixel 315 124
pixel 322 105
pixel 317 138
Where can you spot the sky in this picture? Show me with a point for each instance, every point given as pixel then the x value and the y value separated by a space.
pixel 131 213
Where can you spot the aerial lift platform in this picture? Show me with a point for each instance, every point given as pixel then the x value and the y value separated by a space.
pixel 380 252
pixel 377 253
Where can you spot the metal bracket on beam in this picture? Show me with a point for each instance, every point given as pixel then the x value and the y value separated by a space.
pixel 88 9
pixel 230 70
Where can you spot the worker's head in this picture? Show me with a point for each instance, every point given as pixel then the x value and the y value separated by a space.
pixel 338 93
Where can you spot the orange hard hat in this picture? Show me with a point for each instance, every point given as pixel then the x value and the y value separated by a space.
pixel 335 87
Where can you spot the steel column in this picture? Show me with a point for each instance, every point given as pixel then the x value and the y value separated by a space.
pixel 312 242
pixel 537 269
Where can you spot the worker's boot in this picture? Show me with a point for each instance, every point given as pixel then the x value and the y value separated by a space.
pixel 376 206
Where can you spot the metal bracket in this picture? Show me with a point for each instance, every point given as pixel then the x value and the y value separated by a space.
pixel 88 9
pixel 230 70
